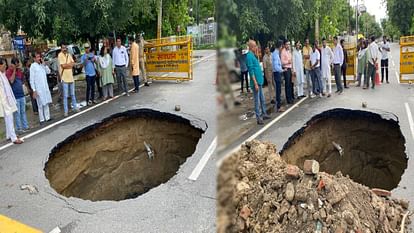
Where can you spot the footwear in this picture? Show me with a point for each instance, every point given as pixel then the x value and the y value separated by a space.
pixel 337 91
pixel 320 95
pixel 136 91
pixel 329 95
pixel 281 109
pixel 346 87
pixel 312 96
pixel 373 87
pixel 41 123
pixel 128 94
pixel 146 84
pixel 94 101
pixel 18 141
pixel 50 119
pixel 266 117
pixel 323 94
pixel 65 114
pixel 388 82
pixel 248 90
pixel 76 110
pixel 260 122
pixel 272 102
pixel 340 92
pixel 89 102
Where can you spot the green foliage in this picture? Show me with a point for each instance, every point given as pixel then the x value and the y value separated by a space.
pixel 269 19
pixel 81 20
pixel 368 26
pixel 401 14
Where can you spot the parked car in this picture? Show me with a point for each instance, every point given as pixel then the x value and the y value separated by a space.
pixel 72 50
pixel 229 56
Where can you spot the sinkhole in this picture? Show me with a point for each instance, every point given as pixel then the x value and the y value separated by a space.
pixel 367 146
pixel 123 156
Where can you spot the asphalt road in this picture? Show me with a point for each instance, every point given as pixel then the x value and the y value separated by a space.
pixel 179 205
pixel 393 97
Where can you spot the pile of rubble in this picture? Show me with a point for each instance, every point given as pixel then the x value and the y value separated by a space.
pixel 259 192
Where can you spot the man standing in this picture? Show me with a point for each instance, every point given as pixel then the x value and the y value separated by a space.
pixel 385 48
pixel 286 58
pixel 142 69
pixel 88 61
pixel 307 50
pixel 344 65
pixel 277 75
pixel 256 83
pixel 38 82
pixel 16 79
pixel 337 61
pixel 244 74
pixel 372 57
pixel 268 71
pixel 65 70
pixel 135 63
pixel 326 61
pixel 7 104
pixel 120 64
pixel 297 68
pixel 316 71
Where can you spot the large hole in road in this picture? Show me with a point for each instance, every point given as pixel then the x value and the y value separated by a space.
pixel 123 156
pixel 367 146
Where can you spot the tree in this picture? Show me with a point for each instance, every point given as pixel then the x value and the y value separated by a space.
pixel 401 14
pixel 89 20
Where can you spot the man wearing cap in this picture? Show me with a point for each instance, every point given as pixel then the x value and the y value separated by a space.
pixel 88 59
pixel 120 64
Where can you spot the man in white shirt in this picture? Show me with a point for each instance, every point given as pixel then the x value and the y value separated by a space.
pixel 120 64
pixel 338 59
pixel 315 60
pixel 385 49
pixel 372 57
pixel 327 58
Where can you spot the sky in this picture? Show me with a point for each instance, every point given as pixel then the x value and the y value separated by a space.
pixel 374 7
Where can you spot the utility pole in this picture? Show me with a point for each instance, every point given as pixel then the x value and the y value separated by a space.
pixel 159 24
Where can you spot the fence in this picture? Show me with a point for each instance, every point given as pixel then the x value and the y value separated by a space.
pixel 203 34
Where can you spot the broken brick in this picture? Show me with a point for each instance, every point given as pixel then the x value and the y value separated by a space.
pixel 292 171
pixel 381 192
pixel 311 167
pixel 245 212
pixel 321 185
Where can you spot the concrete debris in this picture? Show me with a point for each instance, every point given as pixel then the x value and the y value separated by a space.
pixel 364 104
pixel 177 108
pixel 339 148
pixel 256 193
pixel 150 152
pixel 31 188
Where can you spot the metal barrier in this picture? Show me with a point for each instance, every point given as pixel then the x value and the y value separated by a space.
pixel 406 58
pixel 8 225
pixel 169 55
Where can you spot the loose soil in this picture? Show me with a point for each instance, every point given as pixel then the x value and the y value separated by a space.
pixel 109 160
pixel 373 147
pixel 255 194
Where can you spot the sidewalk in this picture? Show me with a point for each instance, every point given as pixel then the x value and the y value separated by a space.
pixel 56 109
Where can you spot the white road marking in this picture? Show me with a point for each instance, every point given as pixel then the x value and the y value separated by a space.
pixel 262 130
pixel 203 161
pixel 410 119
pixel 82 112
pixel 397 76
pixel 393 63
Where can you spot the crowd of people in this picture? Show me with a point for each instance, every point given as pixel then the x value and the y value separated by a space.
pixel 311 65
pixel 102 71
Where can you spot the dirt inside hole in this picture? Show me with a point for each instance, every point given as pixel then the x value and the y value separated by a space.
pixel 109 160
pixel 373 147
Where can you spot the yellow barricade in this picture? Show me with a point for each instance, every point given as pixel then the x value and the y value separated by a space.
pixel 406 58
pixel 8 225
pixel 169 55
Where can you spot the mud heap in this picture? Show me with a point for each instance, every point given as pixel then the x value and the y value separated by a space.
pixel 259 192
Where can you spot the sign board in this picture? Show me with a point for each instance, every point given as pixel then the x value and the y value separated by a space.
pixel 167 61
pixel 169 55
pixel 19 43
pixel 406 59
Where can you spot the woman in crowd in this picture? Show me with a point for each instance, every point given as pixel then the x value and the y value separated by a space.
pixel 106 73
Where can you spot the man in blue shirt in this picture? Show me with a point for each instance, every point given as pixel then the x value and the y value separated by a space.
pixel 256 83
pixel 88 60
pixel 277 74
